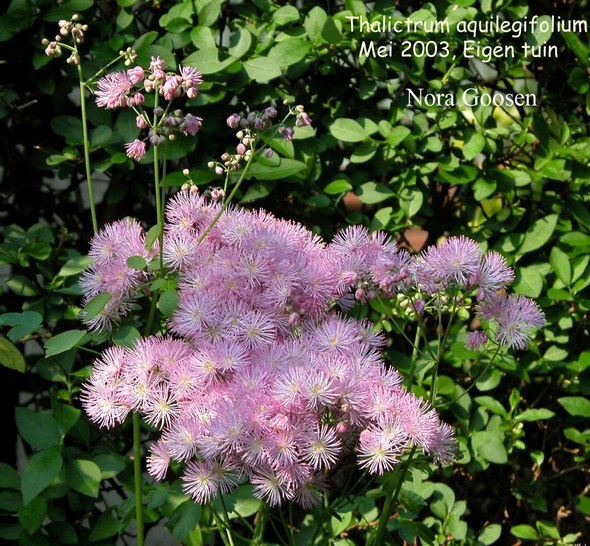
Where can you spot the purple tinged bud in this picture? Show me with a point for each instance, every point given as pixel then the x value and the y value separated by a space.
pixel 475 340
pixel 217 194
pixel 303 119
pixel 141 122
pixel 271 112
pixel 258 124
pixel 244 123
pixel 233 121
pixel 219 170
pixel 419 306
pixel 240 149
pixel 268 153
pixel 158 111
pixel 288 133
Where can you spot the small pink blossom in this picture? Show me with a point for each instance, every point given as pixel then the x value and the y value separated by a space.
pixel 135 74
pixel 135 149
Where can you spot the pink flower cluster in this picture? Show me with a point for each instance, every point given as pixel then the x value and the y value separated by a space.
pixel 263 378
pixel 438 279
pixel 126 89
pixel 110 248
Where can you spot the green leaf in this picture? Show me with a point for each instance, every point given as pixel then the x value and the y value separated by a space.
pixel 64 342
pixel 9 478
pixel 209 13
pixel 337 186
pixel 240 43
pixel 10 356
pixel 145 53
pixel 111 464
pixel 473 144
pixel 578 406
pixel 528 282
pixel 22 286
pixel 258 190
pixel 184 519
pixel 397 135
pixel 65 416
pixel 22 324
pixel 152 236
pixel 314 23
pixel 289 52
pixel 410 201
pixel 537 414
pixel 31 515
pixel 105 526
pixel 286 168
pixel 262 69
pixel 541 32
pixel 126 336
pixel 372 192
pixel 69 127
pixel 207 61
pixel 525 532
pixel 538 234
pixel 348 130
pixel 489 534
pixel 41 470
pixel 95 306
pixel 578 47
pixel 136 262
pixel 84 476
pixel 364 152
pixel 38 428
pixel 75 265
pixel 285 15
pixel 168 302
pixel 560 262
pixel 101 136
pixel 490 446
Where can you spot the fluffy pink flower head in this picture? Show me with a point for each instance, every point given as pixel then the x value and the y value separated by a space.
pixel 113 90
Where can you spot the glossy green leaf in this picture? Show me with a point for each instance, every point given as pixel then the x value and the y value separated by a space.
pixel 348 130
pixel 286 168
pixel 285 15
pixel 262 69
pixel 84 476
pixel 525 532
pixel 95 306
pixel 184 519
pixel 538 234
pixel 41 470
pixel 372 192
pixel 105 526
pixel 289 52
pixel 560 262
pixel 63 342
pixel 10 356
pixel 39 429
pixel 577 406
pixel 490 446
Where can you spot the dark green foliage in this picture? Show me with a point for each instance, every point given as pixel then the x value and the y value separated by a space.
pixel 517 179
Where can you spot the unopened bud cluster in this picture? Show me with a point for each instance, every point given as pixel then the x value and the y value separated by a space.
pixel 71 28
pixel 249 126
pixel 127 88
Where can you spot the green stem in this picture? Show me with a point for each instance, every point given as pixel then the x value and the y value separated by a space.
pixel 220 525
pixel 229 198
pixel 261 521
pixel 138 477
pixel 87 149
pixel 391 502
pixel 226 521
